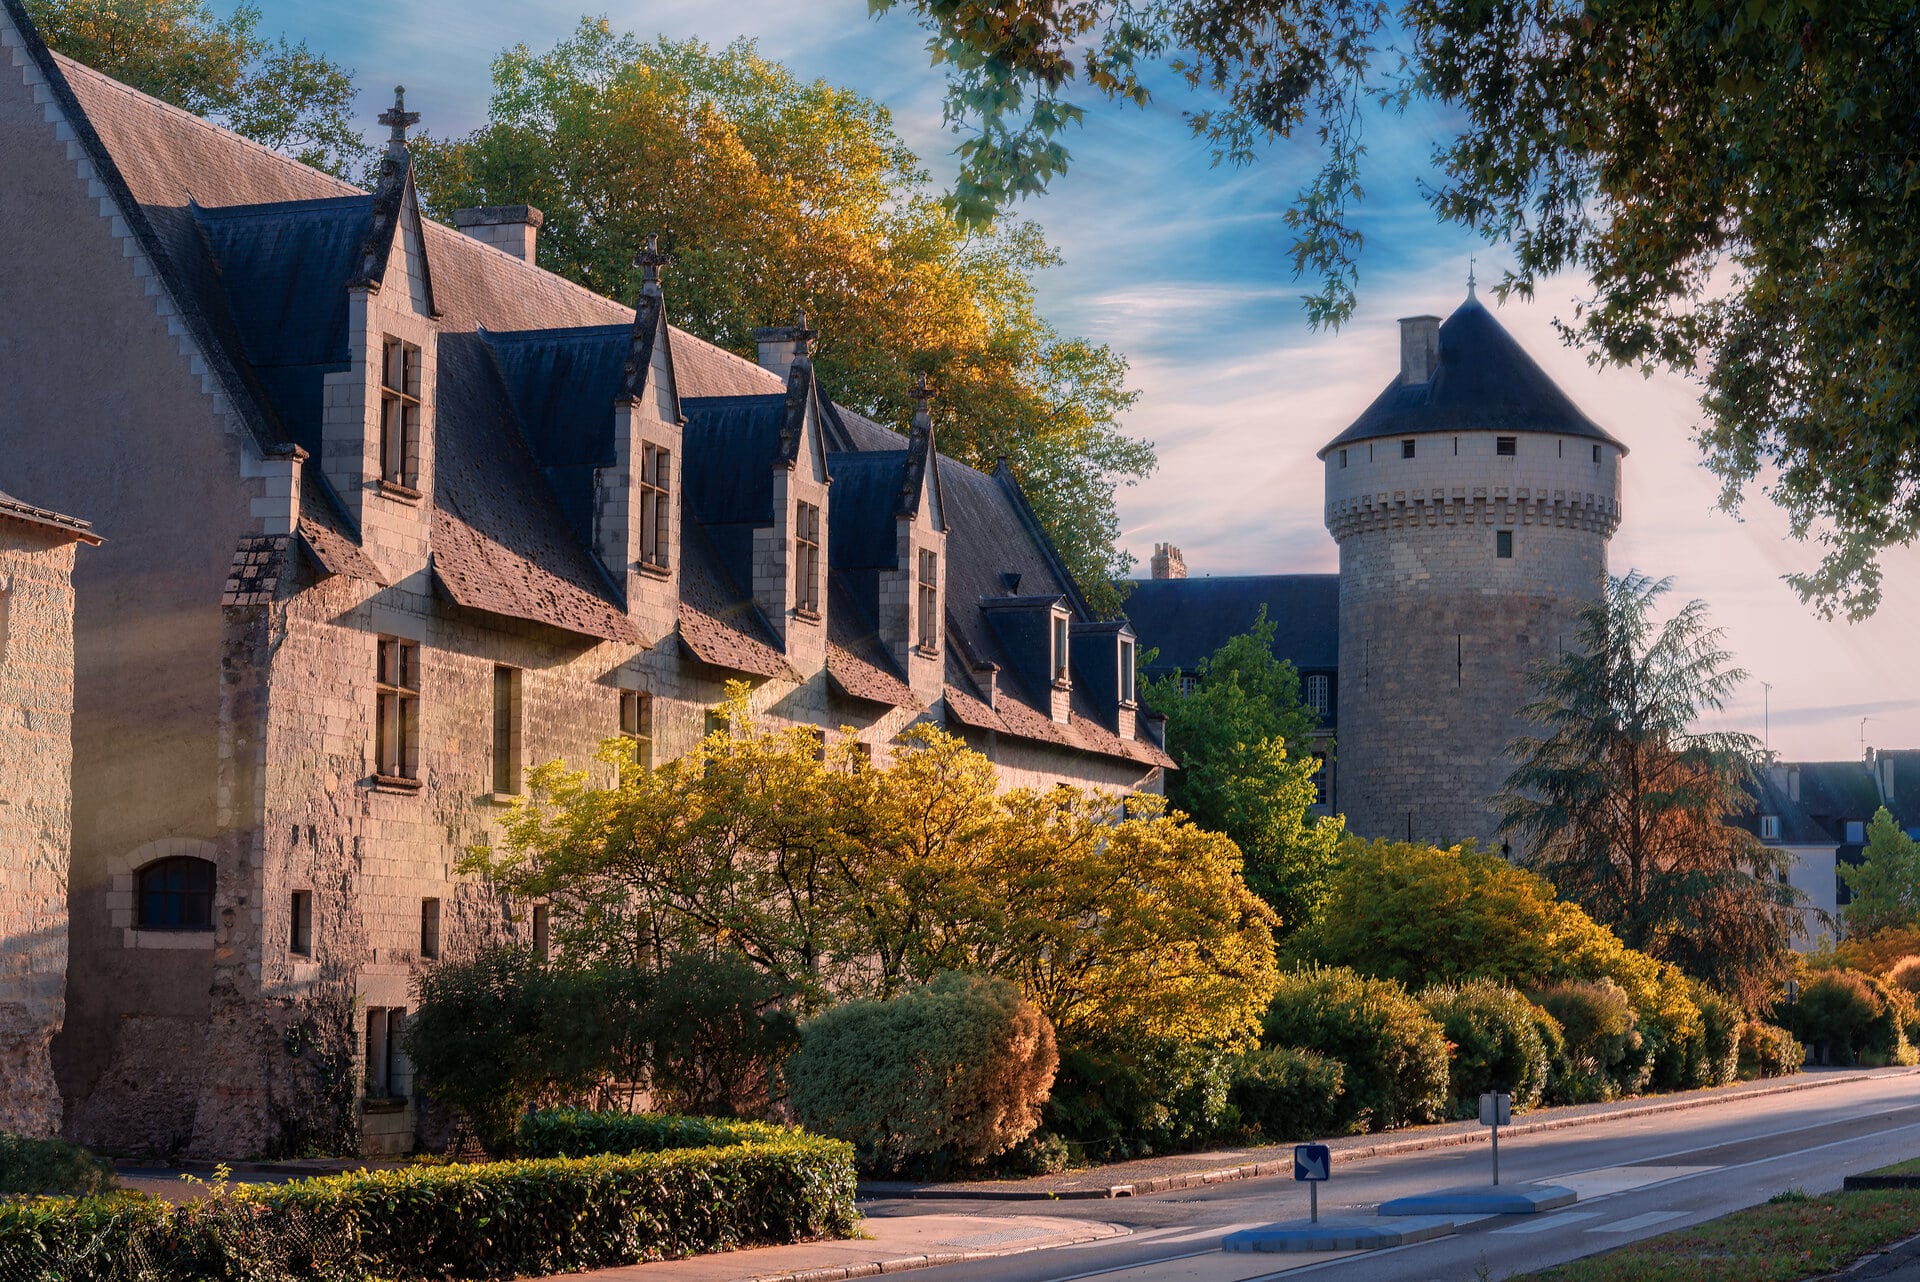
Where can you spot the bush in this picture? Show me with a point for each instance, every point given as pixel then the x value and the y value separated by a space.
pixel 1394 1053
pixel 571 1132
pixel 717 1037
pixel 50 1166
pixel 495 1220
pixel 1496 1044
pixel 1602 1055
pixel 1767 1050
pixel 1286 1094
pixel 955 1071
pixel 1839 1015
pixel 1713 1058
pixel 1149 1096
pixel 1905 975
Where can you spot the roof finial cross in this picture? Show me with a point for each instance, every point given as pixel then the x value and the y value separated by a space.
pixel 650 260
pixel 399 117
pixel 1469 275
pixel 922 392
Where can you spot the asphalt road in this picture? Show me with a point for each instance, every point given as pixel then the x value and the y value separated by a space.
pixel 1637 1177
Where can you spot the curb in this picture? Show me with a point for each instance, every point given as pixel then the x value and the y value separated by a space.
pixel 1385 1148
pixel 1856 1183
pixel 930 1260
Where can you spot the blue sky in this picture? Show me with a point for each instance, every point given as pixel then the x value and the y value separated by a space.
pixel 1183 267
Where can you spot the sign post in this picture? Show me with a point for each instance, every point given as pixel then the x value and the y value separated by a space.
pixel 1312 1163
pixel 1496 1110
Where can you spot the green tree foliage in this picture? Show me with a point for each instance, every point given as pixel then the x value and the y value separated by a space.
pixel 774 195
pixel 1885 884
pixel 1497 1043
pixel 1737 182
pixel 717 1034
pixel 282 95
pixel 1241 736
pixel 1623 806
pixel 1394 1052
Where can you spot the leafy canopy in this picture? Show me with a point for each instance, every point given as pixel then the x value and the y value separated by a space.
pixel 1622 806
pixel 1241 736
pixel 1737 181
pixel 775 195
pixel 284 96
pixel 1885 885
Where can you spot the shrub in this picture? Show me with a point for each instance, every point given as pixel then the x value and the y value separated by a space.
pixel 1602 1055
pixel 954 1071
pixel 1147 1097
pixel 1714 1057
pixel 1839 1015
pixel 1394 1053
pixel 1767 1050
pixel 1905 975
pixel 717 1037
pixel 50 1166
pixel 571 1132
pixel 1286 1094
pixel 224 1236
pixel 1496 1044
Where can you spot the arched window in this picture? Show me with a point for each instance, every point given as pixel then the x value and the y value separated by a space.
pixel 176 894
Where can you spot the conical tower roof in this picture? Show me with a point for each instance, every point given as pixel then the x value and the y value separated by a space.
pixel 1484 382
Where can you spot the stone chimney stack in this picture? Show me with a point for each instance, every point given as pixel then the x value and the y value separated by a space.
pixel 1419 349
pixel 512 228
pixel 780 344
pixel 1167 562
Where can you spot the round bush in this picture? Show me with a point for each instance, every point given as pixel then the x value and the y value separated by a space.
pixel 1395 1053
pixel 1149 1096
pixel 1601 1056
pixel 1496 1044
pixel 956 1071
pixel 1838 1015
pixel 1767 1050
pixel 1282 1093
pixel 1905 975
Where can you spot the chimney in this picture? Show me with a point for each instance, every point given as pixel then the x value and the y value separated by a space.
pixel 506 227
pixel 780 344
pixel 1419 348
pixel 988 677
pixel 1167 562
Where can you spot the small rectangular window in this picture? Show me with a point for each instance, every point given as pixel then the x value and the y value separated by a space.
pixel 929 601
pixel 1770 827
pixel 429 928
pixel 1316 693
pixel 506 730
pixel 388 1074
pixel 397 709
pixel 1596 453
pixel 1061 667
pixel 1188 683
pixel 636 725
pixel 301 939
pixel 806 559
pixel 400 414
pixel 819 743
pixel 1343 458
pixel 1126 672
pixel 1560 449
pixel 1406 449
pixel 717 723
pixel 862 756
pixel 656 512
pixel 1503 544
pixel 542 933
pixel 1856 831
pixel 1506 445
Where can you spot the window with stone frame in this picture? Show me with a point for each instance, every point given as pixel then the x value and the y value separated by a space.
pixel 656 512
pixel 1508 446
pixel 1062 669
pixel 1317 692
pixel 806 558
pixel 929 601
pixel 1127 692
pixel 508 734
pixel 429 928
pixel 397 710
pixel 636 725
pixel 300 936
pixel 400 414
pixel 176 894
pixel 1503 544
pixel 542 933
pixel 862 758
pixel 387 1077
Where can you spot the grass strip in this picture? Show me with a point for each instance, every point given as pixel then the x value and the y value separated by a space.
pixel 1794 1236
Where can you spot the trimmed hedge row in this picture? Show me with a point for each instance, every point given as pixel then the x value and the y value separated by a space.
pixel 578 1132
pixel 496 1220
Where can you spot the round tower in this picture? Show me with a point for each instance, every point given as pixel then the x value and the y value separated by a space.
pixel 1472 503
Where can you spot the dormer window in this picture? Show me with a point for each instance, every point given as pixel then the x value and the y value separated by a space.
pixel 400 415
pixel 929 601
pixel 1060 659
pixel 1126 673
pixel 806 559
pixel 1769 827
pixel 656 471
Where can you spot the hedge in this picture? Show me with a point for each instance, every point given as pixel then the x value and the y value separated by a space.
pixel 1394 1053
pixel 494 1220
pixel 575 1132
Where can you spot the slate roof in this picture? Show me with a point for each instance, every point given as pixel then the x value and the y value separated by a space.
pixel 1485 381
pixel 1186 620
pixel 69 527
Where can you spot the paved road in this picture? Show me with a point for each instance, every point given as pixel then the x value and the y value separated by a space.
pixel 1637 1177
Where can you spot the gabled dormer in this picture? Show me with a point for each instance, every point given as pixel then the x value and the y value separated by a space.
pixel 789 567
pixel 913 593
pixel 1105 666
pixel 1037 634
pixel 378 414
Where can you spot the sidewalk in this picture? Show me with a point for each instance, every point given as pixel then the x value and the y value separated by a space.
pixel 893 1244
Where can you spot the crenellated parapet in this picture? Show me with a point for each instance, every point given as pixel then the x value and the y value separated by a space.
pixel 1595 512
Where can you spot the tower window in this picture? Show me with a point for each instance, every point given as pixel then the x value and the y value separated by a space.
pixel 1343 458
pixel 301 940
pixel 506 730
pixel 429 927
pixel 176 894
pixel 1596 453
pixel 1503 544
pixel 1406 448
pixel 1560 449
pixel 1506 445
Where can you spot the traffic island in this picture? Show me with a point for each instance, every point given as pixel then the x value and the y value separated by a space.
pixel 1484 1199
pixel 1337 1235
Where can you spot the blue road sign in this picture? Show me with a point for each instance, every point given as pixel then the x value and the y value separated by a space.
pixel 1312 1162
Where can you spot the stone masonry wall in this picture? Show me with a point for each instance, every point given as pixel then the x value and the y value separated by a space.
pixel 36 724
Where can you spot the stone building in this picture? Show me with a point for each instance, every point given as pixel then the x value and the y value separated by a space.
pixel 36 824
pixel 393 515
pixel 1472 502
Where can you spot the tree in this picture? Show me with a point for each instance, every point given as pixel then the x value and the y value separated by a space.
pixel 1737 181
pixel 1622 806
pixel 1241 734
pixel 282 95
pixel 775 195
pixel 1885 885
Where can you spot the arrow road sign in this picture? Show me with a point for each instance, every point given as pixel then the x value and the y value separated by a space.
pixel 1311 1162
